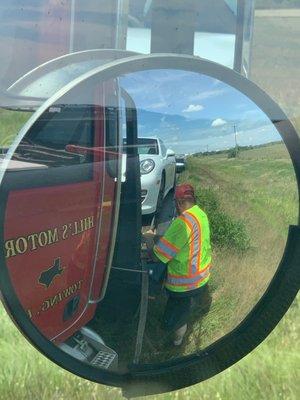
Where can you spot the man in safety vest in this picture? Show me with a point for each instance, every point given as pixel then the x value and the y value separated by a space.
pixel 185 248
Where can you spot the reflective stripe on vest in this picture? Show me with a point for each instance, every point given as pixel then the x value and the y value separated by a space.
pixel 195 248
pixel 166 248
pixel 197 267
pixel 180 280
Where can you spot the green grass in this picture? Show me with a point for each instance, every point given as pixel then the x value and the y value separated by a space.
pixel 10 124
pixel 259 189
pixel 269 372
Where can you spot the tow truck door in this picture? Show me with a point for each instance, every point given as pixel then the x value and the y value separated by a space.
pixel 59 204
pixel 123 294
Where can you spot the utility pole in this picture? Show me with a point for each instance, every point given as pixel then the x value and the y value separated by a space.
pixel 235 139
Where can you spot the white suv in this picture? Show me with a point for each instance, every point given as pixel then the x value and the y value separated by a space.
pixel 158 172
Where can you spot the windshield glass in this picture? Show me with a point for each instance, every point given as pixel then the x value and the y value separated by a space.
pixel 146 146
pixel 35 32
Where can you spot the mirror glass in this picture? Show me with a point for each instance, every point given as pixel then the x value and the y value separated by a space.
pixel 112 256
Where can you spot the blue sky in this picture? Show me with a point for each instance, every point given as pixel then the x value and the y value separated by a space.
pixel 192 111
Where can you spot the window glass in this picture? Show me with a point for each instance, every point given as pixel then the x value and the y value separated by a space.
pixel 147 146
pixel 230 149
pixel 195 27
pixel 55 138
pixel 33 33
pixel 232 4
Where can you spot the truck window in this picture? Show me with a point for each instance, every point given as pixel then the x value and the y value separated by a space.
pixel 47 142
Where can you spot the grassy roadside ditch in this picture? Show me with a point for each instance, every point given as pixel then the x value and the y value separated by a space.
pixel 251 201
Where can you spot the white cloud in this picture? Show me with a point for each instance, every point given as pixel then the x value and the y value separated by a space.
pixel 193 108
pixel 218 122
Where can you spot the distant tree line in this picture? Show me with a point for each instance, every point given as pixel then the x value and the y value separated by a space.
pixel 277 4
pixel 233 152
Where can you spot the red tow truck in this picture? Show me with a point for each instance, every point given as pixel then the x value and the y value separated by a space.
pixel 72 236
pixel 62 198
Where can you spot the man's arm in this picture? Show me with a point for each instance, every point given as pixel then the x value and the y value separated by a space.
pixel 175 238
pixel 150 240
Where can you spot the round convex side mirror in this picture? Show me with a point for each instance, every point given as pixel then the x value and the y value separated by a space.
pixel 125 272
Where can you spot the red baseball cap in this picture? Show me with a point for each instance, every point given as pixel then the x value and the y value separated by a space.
pixel 184 191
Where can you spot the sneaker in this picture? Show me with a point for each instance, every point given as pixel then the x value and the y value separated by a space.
pixel 179 335
pixel 178 342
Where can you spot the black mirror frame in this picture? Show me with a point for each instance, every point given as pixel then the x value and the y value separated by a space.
pixel 178 373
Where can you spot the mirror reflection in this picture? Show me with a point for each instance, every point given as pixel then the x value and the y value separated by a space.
pixel 145 216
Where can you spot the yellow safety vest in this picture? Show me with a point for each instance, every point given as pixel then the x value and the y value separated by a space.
pixel 187 250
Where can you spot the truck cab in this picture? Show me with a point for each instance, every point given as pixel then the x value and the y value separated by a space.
pixel 62 198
